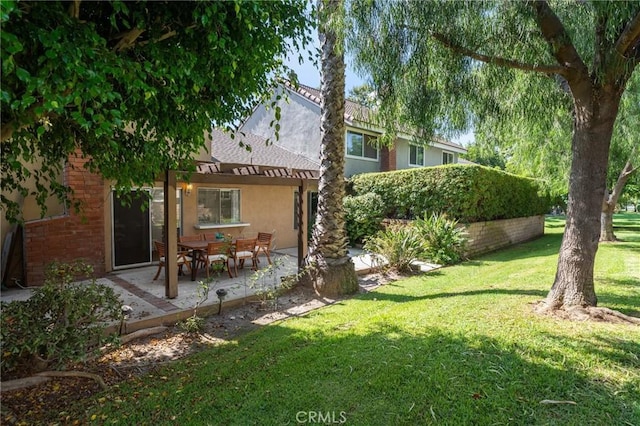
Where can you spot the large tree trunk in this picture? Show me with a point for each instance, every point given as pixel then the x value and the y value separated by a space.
pixel 331 270
pixel 610 201
pixel 595 113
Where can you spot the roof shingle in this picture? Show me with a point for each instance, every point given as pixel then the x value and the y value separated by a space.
pixel 224 149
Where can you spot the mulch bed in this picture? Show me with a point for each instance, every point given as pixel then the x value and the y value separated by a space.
pixel 46 403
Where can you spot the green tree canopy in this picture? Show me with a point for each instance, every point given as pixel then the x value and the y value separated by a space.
pixel 485 155
pixel 132 85
pixel 443 66
pixel 539 145
pixel 363 94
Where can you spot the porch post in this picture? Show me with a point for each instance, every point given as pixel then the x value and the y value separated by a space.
pixel 170 235
pixel 302 225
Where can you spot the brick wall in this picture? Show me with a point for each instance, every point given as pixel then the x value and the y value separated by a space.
pixel 387 159
pixel 485 237
pixel 489 236
pixel 71 236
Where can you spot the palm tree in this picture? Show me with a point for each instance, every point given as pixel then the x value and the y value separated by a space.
pixel 331 270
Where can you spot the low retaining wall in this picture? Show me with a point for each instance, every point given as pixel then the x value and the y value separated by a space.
pixel 485 237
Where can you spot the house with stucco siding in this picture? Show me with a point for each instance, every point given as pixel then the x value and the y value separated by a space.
pixel 299 133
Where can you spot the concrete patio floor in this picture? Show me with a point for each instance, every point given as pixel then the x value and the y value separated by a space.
pixel 137 289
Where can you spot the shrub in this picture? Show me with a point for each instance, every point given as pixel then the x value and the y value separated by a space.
pixel 363 214
pixel 268 286
pixel 61 322
pixel 467 193
pixel 444 240
pixel 398 244
pixel 193 324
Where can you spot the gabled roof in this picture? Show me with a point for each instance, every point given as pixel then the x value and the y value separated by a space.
pixel 352 110
pixel 226 150
pixel 355 112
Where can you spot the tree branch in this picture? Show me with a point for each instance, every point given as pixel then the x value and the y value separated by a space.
pixel 561 45
pixel 8 129
pixel 128 39
pixel 627 171
pixel 161 38
pixel 629 38
pixel 600 47
pixel 74 9
pixel 546 69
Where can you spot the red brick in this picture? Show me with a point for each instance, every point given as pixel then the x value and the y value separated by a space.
pixel 67 238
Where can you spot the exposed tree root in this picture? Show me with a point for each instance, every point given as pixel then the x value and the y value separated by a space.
pixel 84 374
pixel 45 376
pixel 588 313
pixel 25 382
pixel 142 333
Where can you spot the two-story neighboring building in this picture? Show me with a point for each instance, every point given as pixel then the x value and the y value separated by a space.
pixel 300 133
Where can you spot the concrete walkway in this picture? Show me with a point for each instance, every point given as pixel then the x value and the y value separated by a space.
pixel 146 297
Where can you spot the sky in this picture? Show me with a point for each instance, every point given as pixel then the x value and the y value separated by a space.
pixel 309 75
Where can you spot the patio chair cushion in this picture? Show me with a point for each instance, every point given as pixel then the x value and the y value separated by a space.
pixel 214 257
pixel 182 258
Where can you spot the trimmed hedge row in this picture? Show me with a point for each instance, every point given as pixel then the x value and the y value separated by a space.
pixel 468 193
pixel 363 215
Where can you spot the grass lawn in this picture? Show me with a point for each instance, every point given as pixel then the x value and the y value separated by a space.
pixel 456 346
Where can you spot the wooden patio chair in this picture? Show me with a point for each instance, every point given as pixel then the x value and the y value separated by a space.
pixel 244 249
pixel 182 258
pixel 263 245
pixel 218 253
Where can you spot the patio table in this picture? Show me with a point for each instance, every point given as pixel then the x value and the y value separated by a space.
pixel 198 247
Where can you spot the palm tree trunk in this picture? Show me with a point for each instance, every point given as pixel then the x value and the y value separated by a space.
pixel 331 270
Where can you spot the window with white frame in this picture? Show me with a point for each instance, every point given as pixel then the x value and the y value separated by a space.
pixel 218 206
pixel 416 155
pixel 361 145
pixel 447 157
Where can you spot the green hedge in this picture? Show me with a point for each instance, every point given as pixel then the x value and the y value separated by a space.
pixel 363 216
pixel 468 193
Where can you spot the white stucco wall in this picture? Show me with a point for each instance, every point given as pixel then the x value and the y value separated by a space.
pixel 299 125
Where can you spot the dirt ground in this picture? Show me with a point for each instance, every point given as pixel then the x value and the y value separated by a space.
pixel 44 403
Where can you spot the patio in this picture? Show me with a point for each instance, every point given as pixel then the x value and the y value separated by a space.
pixel 146 297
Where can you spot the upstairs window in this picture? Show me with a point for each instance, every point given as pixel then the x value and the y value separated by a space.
pixel 361 145
pixel 416 155
pixel 218 206
pixel 447 157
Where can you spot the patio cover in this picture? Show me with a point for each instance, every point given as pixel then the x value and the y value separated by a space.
pixel 267 165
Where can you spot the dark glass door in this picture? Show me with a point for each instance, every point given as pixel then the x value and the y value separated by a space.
pixel 131 233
